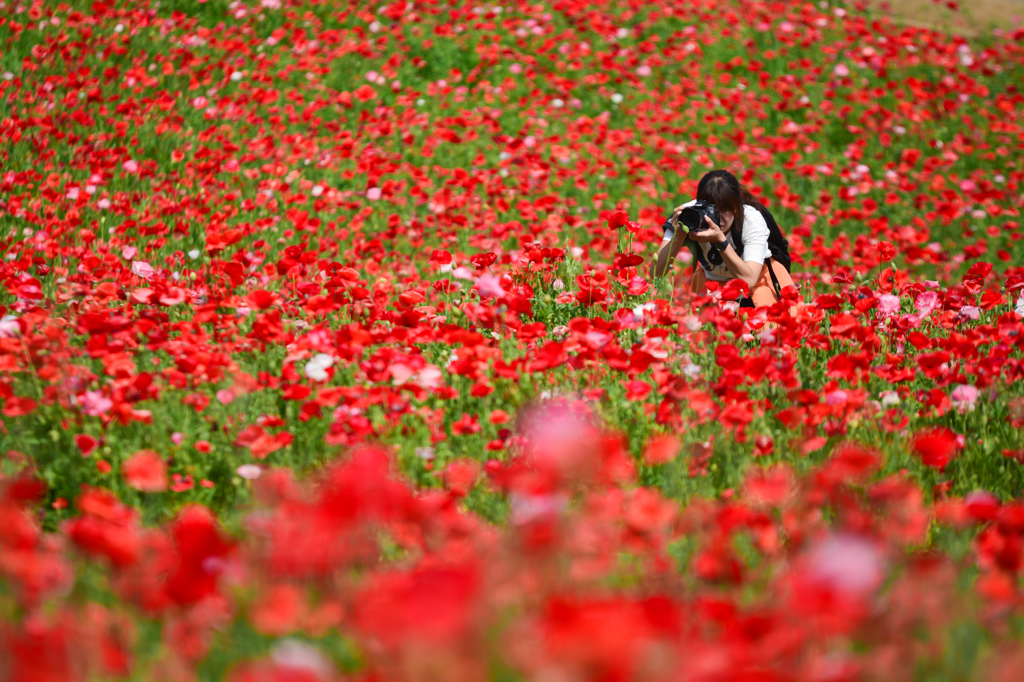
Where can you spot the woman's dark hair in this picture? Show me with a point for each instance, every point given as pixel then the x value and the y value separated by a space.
pixel 722 189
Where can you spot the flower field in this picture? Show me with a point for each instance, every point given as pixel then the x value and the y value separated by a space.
pixel 328 348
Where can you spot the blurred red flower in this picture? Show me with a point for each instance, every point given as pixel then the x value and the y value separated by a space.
pixel 200 548
pixel 145 471
pixel 17 407
pixel 936 447
pixel 661 449
pixel 85 443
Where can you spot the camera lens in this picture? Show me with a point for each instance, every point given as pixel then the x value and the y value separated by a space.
pixel 692 218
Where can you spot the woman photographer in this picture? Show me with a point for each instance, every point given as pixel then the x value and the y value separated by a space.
pixel 745 244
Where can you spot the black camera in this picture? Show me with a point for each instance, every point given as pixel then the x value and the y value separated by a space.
pixel 693 216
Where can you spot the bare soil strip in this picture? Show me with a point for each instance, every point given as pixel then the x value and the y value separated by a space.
pixel 972 18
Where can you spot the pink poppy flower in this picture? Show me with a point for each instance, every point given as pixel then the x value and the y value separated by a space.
pixel 964 398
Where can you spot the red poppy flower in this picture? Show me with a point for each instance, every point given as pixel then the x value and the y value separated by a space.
pixel 200 547
pixel 18 406
pixel 886 251
pixel 278 611
pixel 262 299
pixel 617 219
pixel 460 475
pixel 364 93
pixel 85 443
pixel 936 447
pixel 145 471
pixel 636 390
pixel 661 450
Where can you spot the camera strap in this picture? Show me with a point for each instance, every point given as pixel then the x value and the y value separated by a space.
pixel 775 279
pixel 699 253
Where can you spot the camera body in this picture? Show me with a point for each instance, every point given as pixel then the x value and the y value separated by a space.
pixel 693 216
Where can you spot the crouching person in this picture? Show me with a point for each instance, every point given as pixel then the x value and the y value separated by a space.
pixel 731 236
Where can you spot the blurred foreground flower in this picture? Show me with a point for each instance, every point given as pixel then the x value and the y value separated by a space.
pixel 145 471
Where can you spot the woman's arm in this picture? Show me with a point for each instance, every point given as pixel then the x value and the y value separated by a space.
pixel 669 249
pixel 668 252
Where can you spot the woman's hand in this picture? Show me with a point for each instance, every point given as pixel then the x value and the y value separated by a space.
pixel 677 210
pixel 713 233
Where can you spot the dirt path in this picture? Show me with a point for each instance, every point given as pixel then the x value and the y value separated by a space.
pixel 974 17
